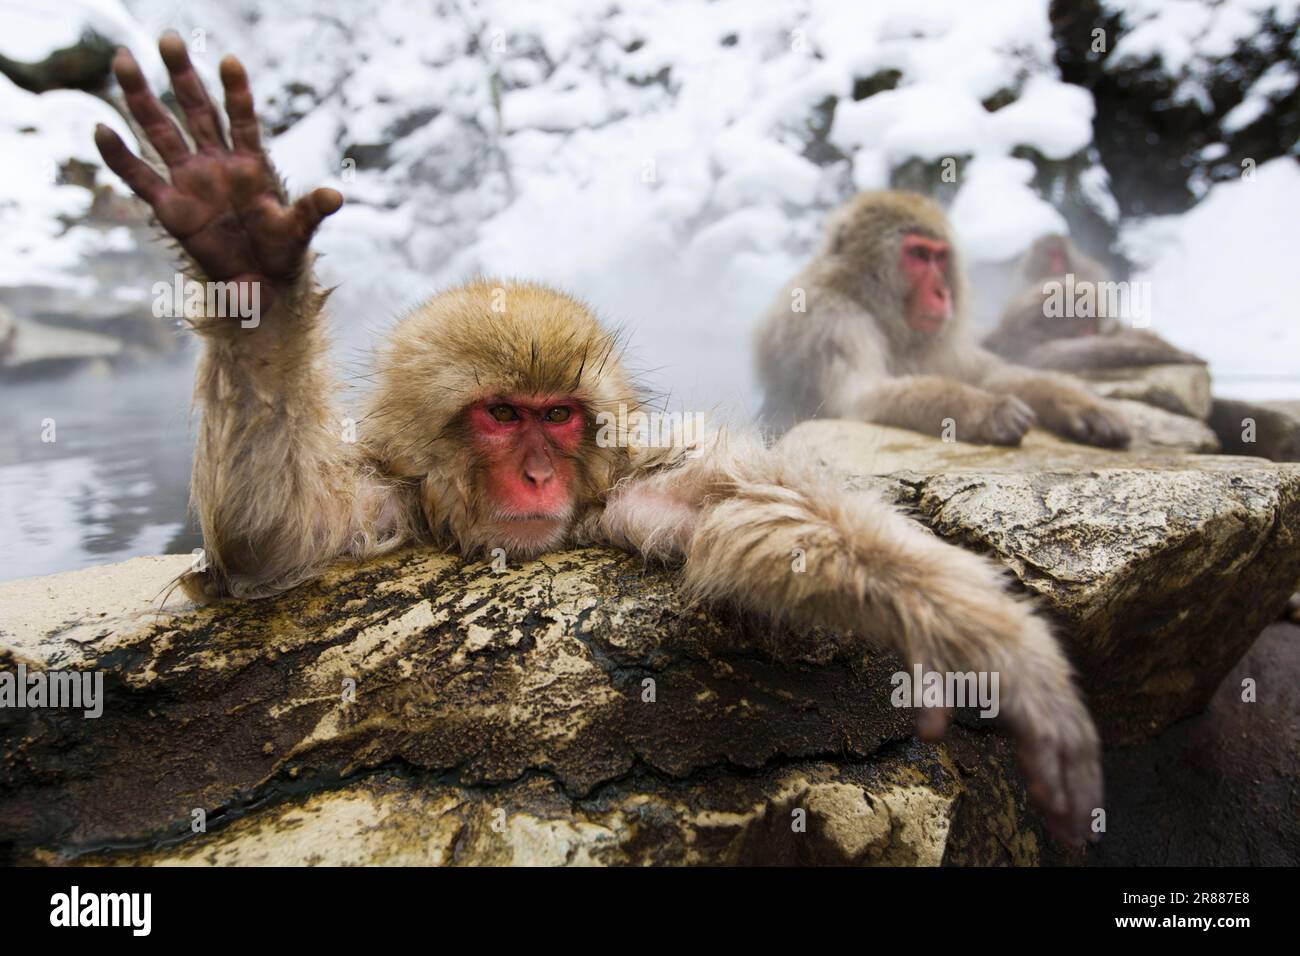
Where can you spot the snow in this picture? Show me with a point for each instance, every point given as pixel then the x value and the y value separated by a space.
pixel 1278 80
pixel 1187 36
pixel 1052 117
pixel 648 156
pixel 996 209
pixel 901 123
pixel 1221 278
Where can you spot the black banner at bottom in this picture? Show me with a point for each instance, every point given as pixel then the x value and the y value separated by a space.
pixel 332 906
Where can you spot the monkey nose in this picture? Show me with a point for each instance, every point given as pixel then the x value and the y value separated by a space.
pixel 539 474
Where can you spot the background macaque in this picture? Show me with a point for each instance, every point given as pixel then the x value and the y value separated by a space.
pixel 1029 334
pixel 880 338
pixel 480 434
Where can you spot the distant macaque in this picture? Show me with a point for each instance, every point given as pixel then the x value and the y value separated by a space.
pixel 880 339
pixel 481 437
pixel 1029 332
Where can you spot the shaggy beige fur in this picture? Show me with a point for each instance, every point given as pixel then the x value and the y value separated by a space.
pixel 850 352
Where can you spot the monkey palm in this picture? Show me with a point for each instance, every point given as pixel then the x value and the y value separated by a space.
pixel 481 432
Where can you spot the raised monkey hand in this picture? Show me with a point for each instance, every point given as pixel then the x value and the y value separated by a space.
pixel 221 200
pixel 278 489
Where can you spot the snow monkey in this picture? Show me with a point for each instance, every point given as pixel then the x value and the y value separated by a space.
pixel 481 434
pixel 872 329
pixel 1031 334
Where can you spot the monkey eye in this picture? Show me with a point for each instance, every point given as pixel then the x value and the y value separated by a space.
pixel 920 253
pixel 503 413
pixel 558 414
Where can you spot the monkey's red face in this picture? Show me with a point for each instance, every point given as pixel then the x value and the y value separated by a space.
pixel 527 447
pixel 929 302
pixel 1056 260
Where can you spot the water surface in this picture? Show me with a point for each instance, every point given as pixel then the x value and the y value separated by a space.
pixel 114 482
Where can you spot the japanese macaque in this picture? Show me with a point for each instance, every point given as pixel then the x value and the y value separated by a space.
pixel 482 434
pixel 872 330
pixel 1033 334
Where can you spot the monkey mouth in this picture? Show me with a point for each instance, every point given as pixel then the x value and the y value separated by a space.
pixel 527 534
pixel 928 324
pixel 530 518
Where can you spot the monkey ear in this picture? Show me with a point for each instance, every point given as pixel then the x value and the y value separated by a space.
pixel 836 229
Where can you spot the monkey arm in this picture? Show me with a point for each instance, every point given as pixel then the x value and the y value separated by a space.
pixel 1021 328
pixel 1120 349
pixel 833 363
pixel 918 402
pixel 929 404
pixel 763 531
pixel 1061 403
pixel 1006 340
pixel 278 488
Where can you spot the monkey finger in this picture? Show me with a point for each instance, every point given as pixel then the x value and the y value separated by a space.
pixel 1042 768
pixel 1021 410
pixel 932 723
pixel 1084 781
pixel 245 133
pixel 1113 430
pixel 1069 824
pixel 1009 421
pixel 133 171
pixel 1096 426
pixel 1005 435
pixel 202 116
pixel 1068 816
pixel 316 205
pixel 148 112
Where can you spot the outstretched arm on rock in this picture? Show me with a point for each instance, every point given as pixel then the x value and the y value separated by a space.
pixel 739 515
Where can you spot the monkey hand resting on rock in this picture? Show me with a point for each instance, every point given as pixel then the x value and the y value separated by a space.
pixel 1030 334
pixel 481 434
pixel 872 330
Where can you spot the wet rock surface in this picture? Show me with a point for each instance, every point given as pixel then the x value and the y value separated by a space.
pixel 1160 568
pixel 407 701
pixel 422 709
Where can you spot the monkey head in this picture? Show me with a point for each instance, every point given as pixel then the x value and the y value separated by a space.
pixel 894 253
pixel 924 262
pixel 488 397
pixel 1054 258
pixel 1049 256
